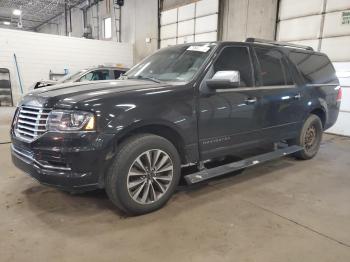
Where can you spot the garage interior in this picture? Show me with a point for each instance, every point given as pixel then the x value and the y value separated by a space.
pixel 283 210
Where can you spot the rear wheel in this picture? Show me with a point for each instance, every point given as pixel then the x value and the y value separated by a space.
pixel 144 174
pixel 310 138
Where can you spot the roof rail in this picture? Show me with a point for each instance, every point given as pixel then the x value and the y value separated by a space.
pixel 270 42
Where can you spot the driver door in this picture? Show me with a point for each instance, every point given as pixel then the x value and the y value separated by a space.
pixel 229 118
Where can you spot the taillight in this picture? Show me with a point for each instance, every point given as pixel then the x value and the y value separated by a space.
pixel 340 94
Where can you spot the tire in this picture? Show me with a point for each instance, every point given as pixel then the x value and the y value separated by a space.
pixel 137 186
pixel 309 138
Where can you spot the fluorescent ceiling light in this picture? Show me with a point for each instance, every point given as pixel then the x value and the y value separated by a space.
pixel 6 23
pixel 17 12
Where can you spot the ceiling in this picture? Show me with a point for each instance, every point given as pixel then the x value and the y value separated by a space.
pixel 34 12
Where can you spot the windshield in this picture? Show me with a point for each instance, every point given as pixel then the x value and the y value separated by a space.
pixel 177 63
pixel 71 77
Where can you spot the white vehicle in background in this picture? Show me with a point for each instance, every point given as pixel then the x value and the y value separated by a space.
pixel 90 74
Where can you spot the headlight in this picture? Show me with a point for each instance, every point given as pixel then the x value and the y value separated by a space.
pixel 66 120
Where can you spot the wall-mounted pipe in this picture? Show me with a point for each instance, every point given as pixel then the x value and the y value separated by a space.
pixel 98 19
pixel 66 18
pixel 277 19
pixel 160 7
pixel 70 21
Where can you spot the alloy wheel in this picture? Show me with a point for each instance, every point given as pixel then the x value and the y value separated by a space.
pixel 150 176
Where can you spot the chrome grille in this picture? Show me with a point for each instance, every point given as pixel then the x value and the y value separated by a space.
pixel 31 122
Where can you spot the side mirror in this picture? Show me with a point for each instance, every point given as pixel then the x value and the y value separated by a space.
pixel 224 79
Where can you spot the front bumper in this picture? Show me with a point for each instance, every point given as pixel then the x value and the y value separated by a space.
pixel 71 162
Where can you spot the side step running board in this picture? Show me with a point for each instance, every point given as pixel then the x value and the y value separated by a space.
pixel 251 161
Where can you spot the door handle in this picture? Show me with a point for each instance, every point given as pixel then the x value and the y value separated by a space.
pixel 251 100
pixel 297 96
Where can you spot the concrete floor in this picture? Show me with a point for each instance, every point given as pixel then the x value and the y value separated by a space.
pixel 284 210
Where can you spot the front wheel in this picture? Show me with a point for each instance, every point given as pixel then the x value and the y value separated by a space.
pixel 309 138
pixel 144 174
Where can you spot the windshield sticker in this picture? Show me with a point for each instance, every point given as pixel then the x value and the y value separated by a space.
pixel 199 48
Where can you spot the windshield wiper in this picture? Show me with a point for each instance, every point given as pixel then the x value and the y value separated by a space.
pixel 147 78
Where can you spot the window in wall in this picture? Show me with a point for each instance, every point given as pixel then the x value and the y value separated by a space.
pixel 236 58
pixel 272 71
pixel 107 27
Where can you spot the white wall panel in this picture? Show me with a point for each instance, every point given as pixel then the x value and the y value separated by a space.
pixel 167 42
pixel 207 7
pixel 342 126
pixel 183 24
pixel 207 37
pixel 168 31
pixel 335 5
pixel 297 8
pixel 206 24
pixel 299 28
pixel 39 53
pixel 186 12
pixel 345 103
pixel 343 73
pixel 186 28
pixel 185 39
pixel 333 25
pixel 337 48
pixel 168 17
pixel 345 81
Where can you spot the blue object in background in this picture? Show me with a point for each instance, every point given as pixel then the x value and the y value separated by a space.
pixel 18 74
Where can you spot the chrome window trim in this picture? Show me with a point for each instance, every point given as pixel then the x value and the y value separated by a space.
pixel 237 89
pixel 315 85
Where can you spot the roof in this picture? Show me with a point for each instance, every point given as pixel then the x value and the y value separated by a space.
pixel 256 41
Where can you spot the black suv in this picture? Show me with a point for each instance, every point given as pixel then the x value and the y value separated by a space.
pixel 184 106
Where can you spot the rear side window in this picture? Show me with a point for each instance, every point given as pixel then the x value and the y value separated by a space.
pixel 273 67
pixel 236 58
pixel 315 68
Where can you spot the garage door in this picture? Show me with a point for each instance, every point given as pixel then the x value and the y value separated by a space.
pixel 324 25
pixel 194 22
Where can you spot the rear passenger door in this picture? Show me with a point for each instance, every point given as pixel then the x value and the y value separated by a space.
pixel 280 97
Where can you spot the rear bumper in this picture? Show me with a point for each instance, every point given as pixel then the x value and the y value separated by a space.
pixel 69 167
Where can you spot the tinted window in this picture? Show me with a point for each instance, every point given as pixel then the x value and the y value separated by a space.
pixel 95 75
pixel 315 69
pixel 273 68
pixel 236 58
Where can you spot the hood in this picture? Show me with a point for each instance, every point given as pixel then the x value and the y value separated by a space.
pixel 43 83
pixel 69 94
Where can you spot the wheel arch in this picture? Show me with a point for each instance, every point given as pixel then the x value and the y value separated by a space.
pixel 321 113
pixel 159 129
